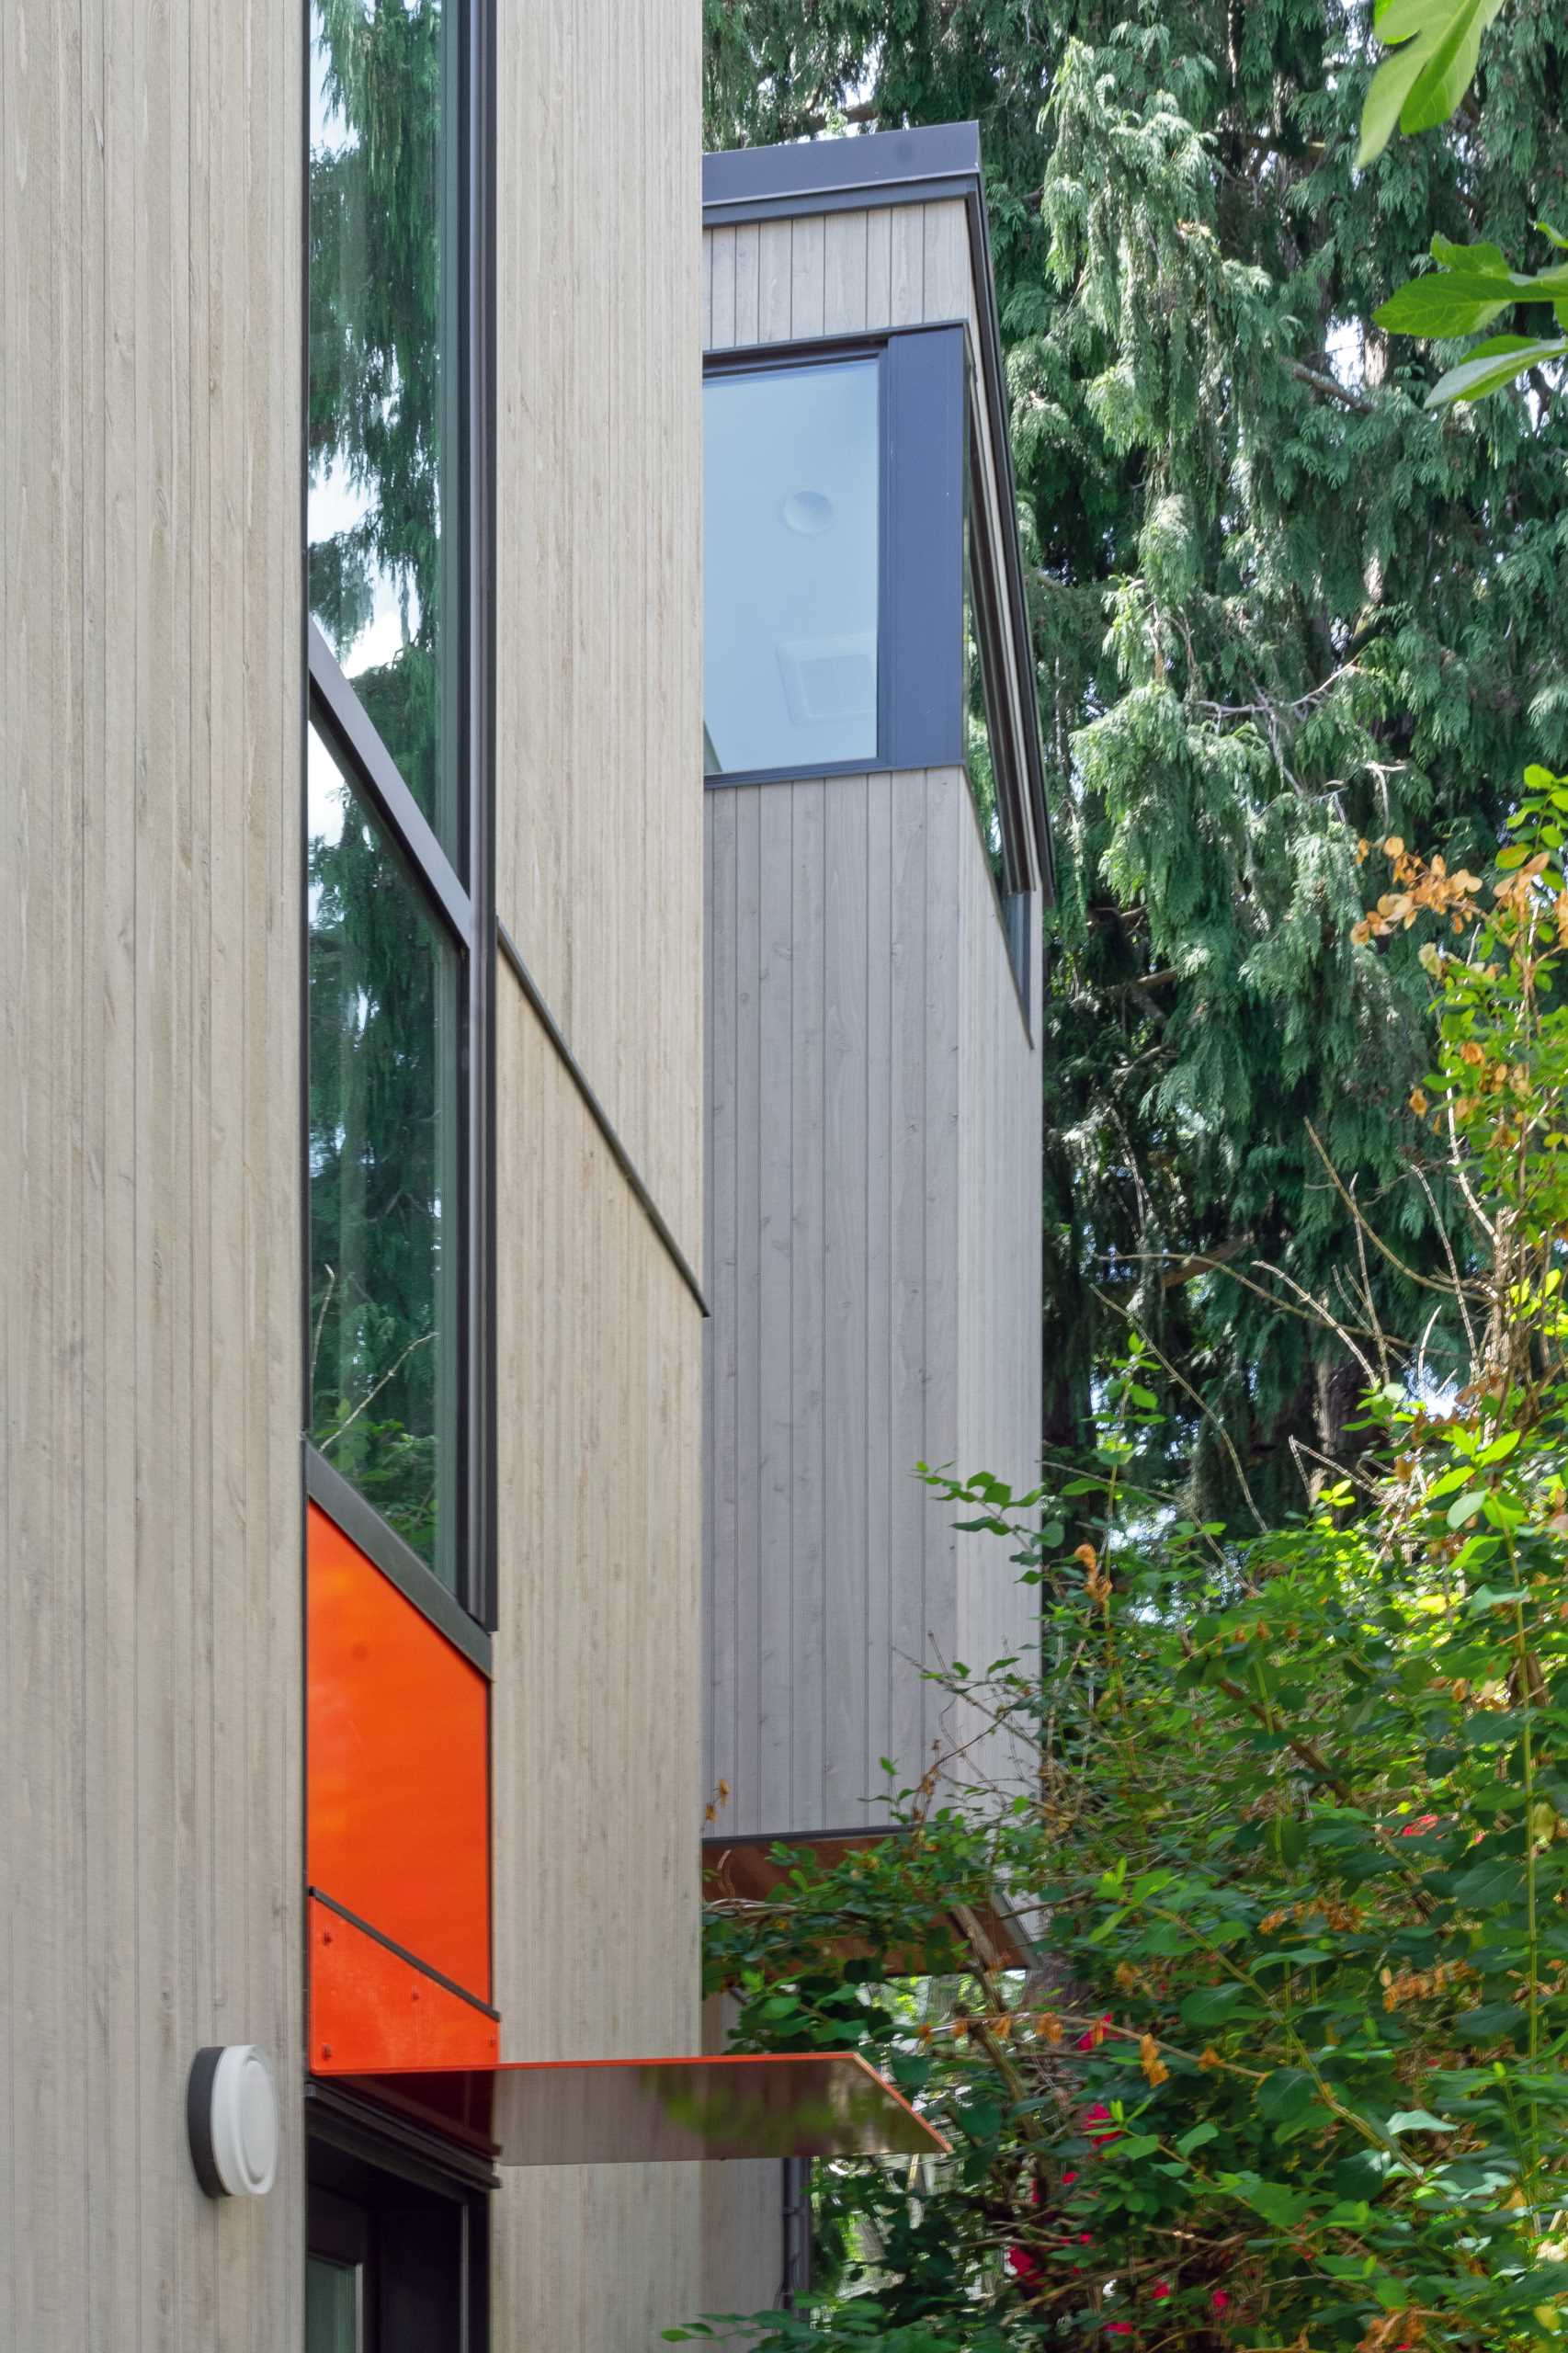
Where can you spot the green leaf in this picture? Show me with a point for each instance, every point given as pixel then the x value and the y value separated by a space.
pixel 1418 2120
pixel 1213 2005
pixel 1288 2092
pixel 1492 365
pixel 1198 2138
pixel 1488 1884
pixel 1442 304
pixel 1490 2021
pixel 1392 85
pixel 1486 263
pixel 1465 1507
pixel 1422 83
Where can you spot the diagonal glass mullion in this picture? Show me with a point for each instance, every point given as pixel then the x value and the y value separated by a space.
pixel 346 719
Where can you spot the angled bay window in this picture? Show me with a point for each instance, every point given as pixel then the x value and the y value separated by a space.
pixel 833 553
pixel 855 616
pixel 396 819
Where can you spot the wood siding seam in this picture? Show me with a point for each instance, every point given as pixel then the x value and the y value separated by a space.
pixel 618 1154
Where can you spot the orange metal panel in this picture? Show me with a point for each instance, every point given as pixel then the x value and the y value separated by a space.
pixel 642 2111
pixel 397 1798
pixel 371 2009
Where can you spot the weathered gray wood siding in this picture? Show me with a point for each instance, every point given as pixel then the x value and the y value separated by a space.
pixel 873 1252
pixel 596 1803
pixel 872 1189
pixel 1000 1274
pixel 151 160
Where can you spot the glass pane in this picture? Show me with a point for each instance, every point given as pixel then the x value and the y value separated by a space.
pixel 790 498
pixel 385 1106
pixel 384 385
pixel 332 2305
pixel 978 758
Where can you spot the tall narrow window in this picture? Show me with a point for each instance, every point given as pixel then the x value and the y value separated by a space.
pixel 979 760
pixel 396 815
pixel 385 1059
pixel 385 380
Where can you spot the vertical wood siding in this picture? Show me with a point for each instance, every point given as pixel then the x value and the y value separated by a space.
pixel 875 1298
pixel 601 306
pixel 598 598
pixel 872 1191
pixel 596 1699
pixel 151 162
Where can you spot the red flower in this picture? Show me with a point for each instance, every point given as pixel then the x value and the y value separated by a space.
pixel 1068 2179
pixel 1119 2328
pixel 1418 1825
pixel 1099 2118
pixel 1220 2301
pixel 1021 2263
pixel 1160 2290
pixel 1095 2035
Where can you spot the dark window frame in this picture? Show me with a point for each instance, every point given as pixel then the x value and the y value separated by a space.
pixel 459 897
pixel 920 424
pixel 1015 891
pixel 358 2158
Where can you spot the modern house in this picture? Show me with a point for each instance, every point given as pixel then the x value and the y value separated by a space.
pixel 876 854
pixel 356 1653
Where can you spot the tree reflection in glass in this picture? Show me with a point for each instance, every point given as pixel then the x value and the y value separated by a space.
pixel 979 759
pixel 384 1108
pixel 383 439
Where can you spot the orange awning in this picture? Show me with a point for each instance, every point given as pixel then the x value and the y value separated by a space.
pixel 640 2111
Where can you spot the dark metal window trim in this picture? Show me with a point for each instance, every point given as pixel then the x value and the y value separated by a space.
pixel 920 409
pixel 353 736
pixel 385 2137
pixel 389 1944
pixel 467 909
pixel 341 2124
pixel 512 956
pixel 398 1563
pixel 1014 893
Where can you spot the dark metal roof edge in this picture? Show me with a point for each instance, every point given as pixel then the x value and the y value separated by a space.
pixel 909 167
pixel 398 1563
pixel 804 169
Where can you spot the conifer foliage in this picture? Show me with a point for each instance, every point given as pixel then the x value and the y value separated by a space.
pixel 1277 605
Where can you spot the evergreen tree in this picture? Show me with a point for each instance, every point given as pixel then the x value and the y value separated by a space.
pixel 1278 608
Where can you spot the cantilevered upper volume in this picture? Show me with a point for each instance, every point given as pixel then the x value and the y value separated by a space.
pixel 877 857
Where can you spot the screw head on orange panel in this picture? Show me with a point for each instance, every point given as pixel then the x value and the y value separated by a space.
pixel 326 2050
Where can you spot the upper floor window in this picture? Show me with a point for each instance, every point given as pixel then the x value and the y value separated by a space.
pixel 791 553
pixel 980 759
pixel 385 1146
pixel 855 613
pixel 384 418
pixel 832 523
pixel 397 810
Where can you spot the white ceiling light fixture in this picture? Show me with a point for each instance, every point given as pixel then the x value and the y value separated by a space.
pixel 232 2117
pixel 807 512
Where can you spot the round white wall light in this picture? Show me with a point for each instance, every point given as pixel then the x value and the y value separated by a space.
pixel 232 2115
